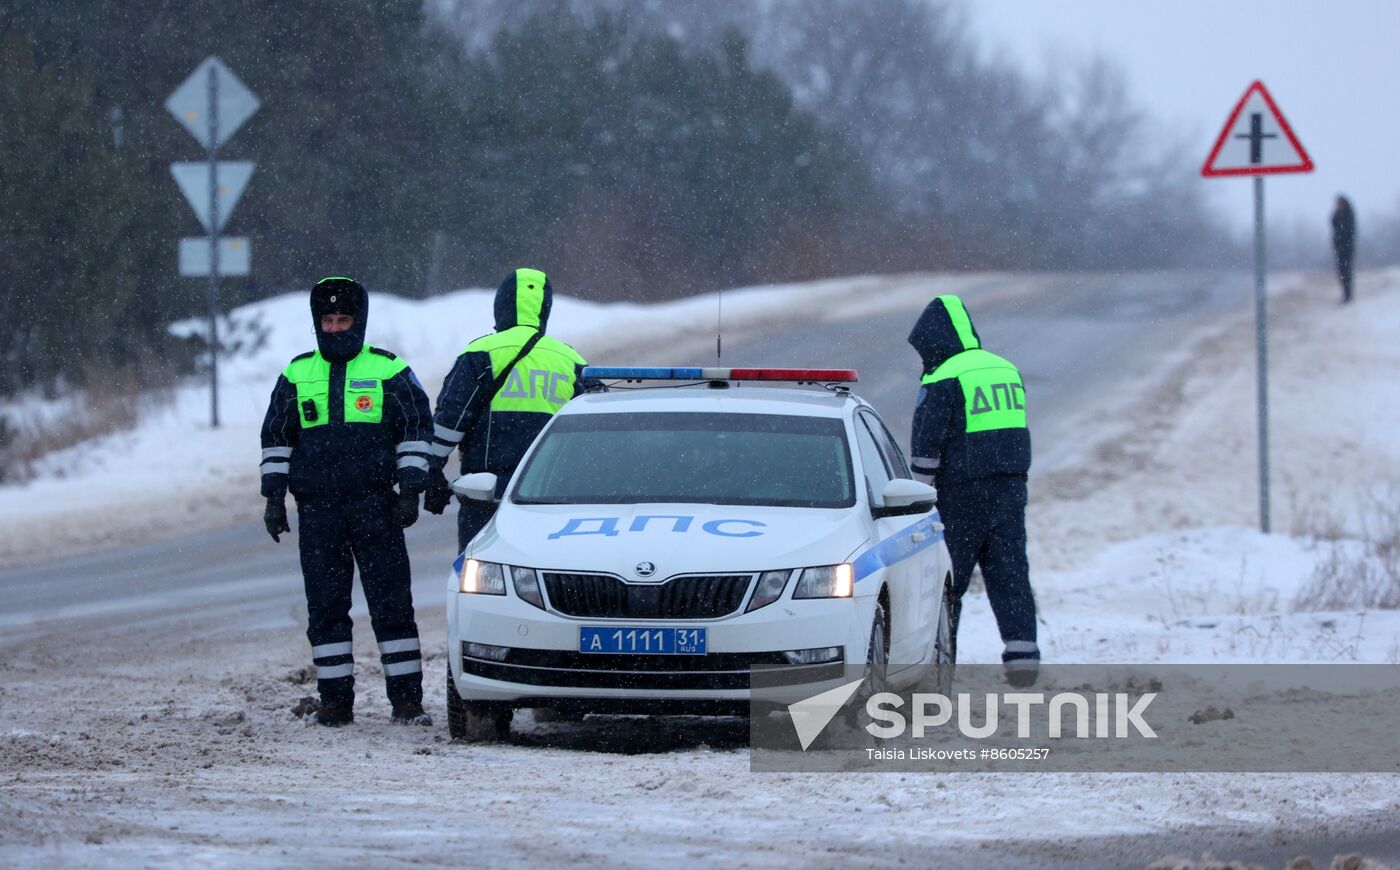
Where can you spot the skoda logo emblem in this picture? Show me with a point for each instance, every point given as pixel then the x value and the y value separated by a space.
pixel 645 569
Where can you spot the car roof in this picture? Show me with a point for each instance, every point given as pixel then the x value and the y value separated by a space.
pixel 737 399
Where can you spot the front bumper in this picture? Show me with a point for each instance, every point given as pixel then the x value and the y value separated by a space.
pixel 541 665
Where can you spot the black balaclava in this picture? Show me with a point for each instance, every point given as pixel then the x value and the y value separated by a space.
pixel 524 299
pixel 340 296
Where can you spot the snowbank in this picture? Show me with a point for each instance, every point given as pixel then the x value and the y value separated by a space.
pixel 1179 450
pixel 1146 548
pixel 1209 596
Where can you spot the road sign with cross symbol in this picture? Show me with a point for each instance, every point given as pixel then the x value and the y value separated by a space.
pixel 1257 140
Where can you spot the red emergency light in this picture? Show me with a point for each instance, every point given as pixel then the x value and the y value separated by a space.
pixel 696 373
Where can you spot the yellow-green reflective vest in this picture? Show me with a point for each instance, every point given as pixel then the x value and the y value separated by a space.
pixel 542 382
pixel 364 387
pixel 994 396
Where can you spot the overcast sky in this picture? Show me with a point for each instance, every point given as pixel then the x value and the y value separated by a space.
pixel 1332 67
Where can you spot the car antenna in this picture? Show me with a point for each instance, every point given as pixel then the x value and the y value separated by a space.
pixel 719 323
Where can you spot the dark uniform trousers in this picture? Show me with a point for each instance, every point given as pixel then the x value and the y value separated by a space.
pixel 985 524
pixel 336 533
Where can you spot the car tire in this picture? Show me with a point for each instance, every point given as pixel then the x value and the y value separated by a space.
pixel 877 656
pixel 456 713
pixel 945 646
pixel 939 674
pixel 845 731
pixel 476 721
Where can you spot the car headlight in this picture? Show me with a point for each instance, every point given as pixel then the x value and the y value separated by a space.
pixel 769 589
pixel 828 581
pixel 483 578
pixel 527 586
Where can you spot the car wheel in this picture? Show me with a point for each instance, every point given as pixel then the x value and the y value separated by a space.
pixel 877 656
pixel 476 721
pixel 876 680
pixel 945 651
pixel 456 714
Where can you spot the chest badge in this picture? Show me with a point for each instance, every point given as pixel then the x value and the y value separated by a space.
pixel 364 404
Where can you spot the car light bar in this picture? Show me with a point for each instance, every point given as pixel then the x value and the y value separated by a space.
pixel 663 373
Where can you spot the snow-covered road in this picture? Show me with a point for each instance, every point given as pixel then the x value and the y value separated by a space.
pixel 145 691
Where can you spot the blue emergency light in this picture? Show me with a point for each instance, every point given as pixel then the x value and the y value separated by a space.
pixel 665 373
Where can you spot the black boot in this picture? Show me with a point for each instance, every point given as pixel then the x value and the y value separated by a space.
pixel 1021 663
pixel 411 713
pixel 334 714
pixel 1022 674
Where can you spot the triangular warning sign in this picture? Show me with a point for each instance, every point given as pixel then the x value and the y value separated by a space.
pixel 1256 140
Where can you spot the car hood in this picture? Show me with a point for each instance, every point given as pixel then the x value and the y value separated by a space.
pixel 674 538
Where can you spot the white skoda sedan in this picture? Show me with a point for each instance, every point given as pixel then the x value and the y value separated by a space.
pixel 655 544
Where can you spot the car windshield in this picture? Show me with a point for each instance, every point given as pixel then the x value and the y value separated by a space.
pixel 707 458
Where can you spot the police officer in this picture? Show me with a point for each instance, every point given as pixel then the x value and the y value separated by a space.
pixel 345 424
pixel 971 441
pixel 501 392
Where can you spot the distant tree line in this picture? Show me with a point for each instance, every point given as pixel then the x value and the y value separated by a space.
pixel 636 149
pixel 353 147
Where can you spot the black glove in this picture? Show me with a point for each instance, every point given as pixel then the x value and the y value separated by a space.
pixel 439 494
pixel 406 509
pixel 275 518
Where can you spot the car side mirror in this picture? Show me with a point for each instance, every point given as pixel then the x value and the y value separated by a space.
pixel 903 497
pixel 480 486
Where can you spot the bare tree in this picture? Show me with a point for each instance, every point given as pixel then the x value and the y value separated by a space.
pixel 976 164
pixel 1124 192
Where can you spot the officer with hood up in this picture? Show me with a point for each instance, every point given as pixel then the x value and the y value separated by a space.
pixel 347 422
pixel 501 392
pixel 971 441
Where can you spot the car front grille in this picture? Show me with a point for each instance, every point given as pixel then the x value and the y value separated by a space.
pixel 607 597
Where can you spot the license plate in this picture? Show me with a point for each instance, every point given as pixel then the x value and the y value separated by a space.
pixel 635 640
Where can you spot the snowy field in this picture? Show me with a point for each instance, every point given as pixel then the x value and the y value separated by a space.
pixel 174 744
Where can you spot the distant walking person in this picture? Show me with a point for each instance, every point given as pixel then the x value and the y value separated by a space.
pixel 972 442
pixel 1344 243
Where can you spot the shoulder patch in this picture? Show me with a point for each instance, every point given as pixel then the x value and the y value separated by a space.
pixel 307 355
pixel 382 352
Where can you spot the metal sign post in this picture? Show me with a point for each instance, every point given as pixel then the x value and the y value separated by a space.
pixel 212 92
pixel 1257 141
pixel 213 246
pixel 1261 354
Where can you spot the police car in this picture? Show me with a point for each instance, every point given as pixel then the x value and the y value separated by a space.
pixel 655 544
